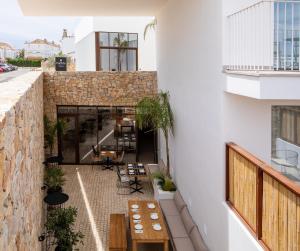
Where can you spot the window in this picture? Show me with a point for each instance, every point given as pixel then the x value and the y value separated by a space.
pixel 286 35
pixel 117 51
pixel 286 123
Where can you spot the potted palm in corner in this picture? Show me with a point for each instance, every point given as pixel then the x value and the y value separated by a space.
pixel 156 113
pixel 51 129
pixel 54 179
pixel 60 222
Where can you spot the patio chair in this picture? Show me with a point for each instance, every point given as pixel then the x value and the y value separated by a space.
pixel 120 160
pixel 95 151
pixel 123 183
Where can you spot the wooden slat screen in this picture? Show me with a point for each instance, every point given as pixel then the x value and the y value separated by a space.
pixel 243 181
pixel 265 200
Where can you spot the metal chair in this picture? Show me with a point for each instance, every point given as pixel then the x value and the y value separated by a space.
pixel 123 183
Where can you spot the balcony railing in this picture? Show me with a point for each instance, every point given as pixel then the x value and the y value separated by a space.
pixel 264 36
pixel 266 201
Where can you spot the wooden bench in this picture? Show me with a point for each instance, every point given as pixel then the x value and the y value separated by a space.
pixel 117 233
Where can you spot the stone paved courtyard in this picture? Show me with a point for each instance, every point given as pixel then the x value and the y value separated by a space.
pixel 101 194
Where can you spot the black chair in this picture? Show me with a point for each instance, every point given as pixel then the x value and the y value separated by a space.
pixel 95 151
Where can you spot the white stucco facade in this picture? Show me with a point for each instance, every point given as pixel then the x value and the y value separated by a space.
pixel 68 46
pixel 85 33
pixel 207 116
pixel 40 48
pixel 7 51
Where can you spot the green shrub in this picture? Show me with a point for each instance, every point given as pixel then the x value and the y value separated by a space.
pixel 25 62
pixel 164 181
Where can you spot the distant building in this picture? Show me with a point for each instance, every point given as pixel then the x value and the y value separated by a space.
pixel 40 48
pixel 68 44
pixel 7 51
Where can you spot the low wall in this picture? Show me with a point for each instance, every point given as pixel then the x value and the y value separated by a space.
pixel 21 157
pixel 96 89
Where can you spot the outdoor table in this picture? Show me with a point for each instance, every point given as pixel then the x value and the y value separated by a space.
pixel 138 171
pixel 109 156
pixel 56 199
pixel 147 234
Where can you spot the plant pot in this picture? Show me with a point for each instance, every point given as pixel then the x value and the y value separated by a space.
pixel 54 190
pixel 160 194
pixel 58 248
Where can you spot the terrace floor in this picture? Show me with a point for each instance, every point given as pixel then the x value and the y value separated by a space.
pixel 93 191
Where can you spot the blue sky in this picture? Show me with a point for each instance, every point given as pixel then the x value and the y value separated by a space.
pixel 16 28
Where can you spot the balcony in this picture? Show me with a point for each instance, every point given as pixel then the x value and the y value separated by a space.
pixel 267 202
pixel 262 59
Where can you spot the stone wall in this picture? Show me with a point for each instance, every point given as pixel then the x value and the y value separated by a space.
pixel 96 89
pixel 21 157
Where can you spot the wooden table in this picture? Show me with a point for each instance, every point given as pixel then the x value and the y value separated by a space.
pixel 149 235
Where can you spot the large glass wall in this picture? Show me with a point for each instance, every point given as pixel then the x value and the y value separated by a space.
pixel 104 128
pixel 286 35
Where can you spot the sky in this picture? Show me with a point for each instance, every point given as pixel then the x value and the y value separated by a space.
pixel 15 28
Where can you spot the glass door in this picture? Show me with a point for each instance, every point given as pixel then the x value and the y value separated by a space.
pixel 67 141
pixel 88 133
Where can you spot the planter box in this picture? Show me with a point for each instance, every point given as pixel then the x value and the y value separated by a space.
pixel 159 194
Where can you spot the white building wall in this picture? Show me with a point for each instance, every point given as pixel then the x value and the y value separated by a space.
pixel 206 117
pixel 189 67
pixel 68 46
pixel 40 50
pixel 85 53
pixel 147 49
pixel 1 53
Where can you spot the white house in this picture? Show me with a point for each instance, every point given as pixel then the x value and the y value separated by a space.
pixel 68 44
pixel 7 51
pixel 40 48
pixel 227 65
pixel 97 44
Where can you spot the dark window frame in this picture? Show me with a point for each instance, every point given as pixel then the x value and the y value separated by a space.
pixel 99 47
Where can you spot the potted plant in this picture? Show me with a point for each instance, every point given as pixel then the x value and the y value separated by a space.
pixel 60 222
pixel 164 187
pixel 50 131
pixel 155 112
pixel 54 179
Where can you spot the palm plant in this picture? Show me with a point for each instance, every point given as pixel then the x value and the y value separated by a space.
pixel 54 179
pixel 151 25
pixel 122 44
pixel 156 112
pixel 50 131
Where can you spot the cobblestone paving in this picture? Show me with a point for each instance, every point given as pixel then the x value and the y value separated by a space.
pixel 101 193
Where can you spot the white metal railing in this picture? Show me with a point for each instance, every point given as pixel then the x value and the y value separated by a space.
pixel 264 36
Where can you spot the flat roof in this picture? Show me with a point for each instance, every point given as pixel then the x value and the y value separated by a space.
pixel 91 7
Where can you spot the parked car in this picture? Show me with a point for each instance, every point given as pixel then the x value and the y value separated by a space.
pixel 1 70
pixel 14 68
pixel 8 67
pixel 5 67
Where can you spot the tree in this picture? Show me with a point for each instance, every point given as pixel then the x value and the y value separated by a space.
pixel 156 112
pixel 122 44
pixel 21 53
pixel 50 130
pixel 150 26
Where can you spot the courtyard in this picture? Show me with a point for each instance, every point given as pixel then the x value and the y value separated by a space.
pixel 94 192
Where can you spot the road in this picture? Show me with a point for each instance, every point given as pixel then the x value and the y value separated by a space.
pixel 6 76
